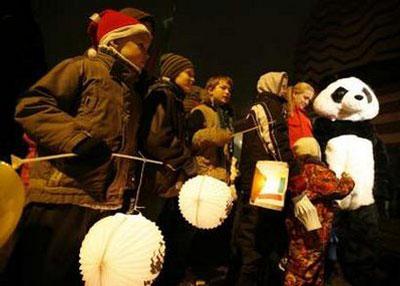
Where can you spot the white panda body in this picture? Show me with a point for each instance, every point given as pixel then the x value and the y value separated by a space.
pixel 353 155
pixel 347 105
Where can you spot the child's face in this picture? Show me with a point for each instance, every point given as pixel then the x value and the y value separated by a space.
pixel 302 100
pixel 185 80
pixel 135 48
pixel 221 93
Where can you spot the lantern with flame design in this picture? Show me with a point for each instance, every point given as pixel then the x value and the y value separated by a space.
pixel 269 184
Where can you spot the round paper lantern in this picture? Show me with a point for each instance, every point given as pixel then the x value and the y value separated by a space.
pixel 12 199
pixel 122 250
pixel 205 202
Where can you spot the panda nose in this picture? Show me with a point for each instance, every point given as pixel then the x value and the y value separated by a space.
pixel 358 97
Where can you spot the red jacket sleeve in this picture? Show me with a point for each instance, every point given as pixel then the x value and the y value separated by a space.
pixel 319 182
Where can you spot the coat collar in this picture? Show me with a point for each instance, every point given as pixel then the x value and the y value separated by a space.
pixel 120 68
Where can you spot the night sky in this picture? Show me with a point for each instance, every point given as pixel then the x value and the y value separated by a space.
pixel 242 39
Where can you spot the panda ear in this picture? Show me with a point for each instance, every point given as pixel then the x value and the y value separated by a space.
pixel 368 94
pixel 338 94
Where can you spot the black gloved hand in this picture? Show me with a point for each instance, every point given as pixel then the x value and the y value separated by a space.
pixel 92 151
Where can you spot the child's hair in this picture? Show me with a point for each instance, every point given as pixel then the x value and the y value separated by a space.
pixel 214 80
pixel 307 146
pixel 298 88
pixel 301 87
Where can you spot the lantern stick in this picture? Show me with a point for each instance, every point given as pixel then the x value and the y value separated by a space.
pixel 246 130
pixel 252 128
pixel 16 162
pixel 143 159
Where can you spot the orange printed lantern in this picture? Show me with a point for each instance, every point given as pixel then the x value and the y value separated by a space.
pixel 269 185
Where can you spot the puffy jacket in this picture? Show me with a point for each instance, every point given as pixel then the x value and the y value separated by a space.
pixel 79 98
pixel 163 137
pixel 210 142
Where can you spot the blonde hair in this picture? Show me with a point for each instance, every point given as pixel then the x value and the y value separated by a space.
pixel 298 88
pixel 307 146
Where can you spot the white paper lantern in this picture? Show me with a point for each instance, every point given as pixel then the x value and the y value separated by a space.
pixel 122 250
pixel 205 202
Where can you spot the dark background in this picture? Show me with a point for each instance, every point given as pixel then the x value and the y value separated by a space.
pixel 240 38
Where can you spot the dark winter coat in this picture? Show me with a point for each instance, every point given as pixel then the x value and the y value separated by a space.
pixel 79 98
pixel 163 137
pixel 254 149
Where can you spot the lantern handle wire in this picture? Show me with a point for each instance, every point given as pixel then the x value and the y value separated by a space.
pixel 133 206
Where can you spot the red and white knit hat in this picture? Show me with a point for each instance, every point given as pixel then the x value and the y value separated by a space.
pixel 110 25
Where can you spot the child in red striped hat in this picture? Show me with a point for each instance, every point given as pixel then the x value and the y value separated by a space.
pixel 86 105
pixel 119 34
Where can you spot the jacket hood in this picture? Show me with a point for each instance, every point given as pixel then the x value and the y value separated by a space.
pixel 271 82
pixel 144 17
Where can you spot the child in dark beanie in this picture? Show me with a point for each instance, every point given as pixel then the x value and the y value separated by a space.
pixel 163 137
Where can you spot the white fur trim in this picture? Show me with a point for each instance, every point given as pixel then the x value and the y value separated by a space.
pixel 92 53
pixel 353 155
pixel 95 18
pixel 349 108
pixel 118 54
pixel 123 32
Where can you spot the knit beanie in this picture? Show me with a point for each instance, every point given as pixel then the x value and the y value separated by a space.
pixel 110 25
pixel 307 146
pixel 171 65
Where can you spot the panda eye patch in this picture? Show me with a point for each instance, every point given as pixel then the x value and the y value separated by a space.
pixel 368 94
pixel 338 94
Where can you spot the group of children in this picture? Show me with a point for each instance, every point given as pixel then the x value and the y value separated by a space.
pixel 103 102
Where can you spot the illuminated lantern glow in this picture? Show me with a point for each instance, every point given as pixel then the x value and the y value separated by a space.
pixel 205 202
pixel 12 200
pixel 122 250
pixel 269 184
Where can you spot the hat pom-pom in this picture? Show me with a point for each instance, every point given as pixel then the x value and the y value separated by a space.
pixel 92 53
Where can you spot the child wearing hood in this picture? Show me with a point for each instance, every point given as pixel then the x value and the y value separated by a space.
pixel 260 235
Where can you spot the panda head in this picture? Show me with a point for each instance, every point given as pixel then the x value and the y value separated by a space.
pixel 347 99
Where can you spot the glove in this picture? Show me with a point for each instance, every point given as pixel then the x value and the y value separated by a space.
pixel 305 211
pixel 92 151
pixel 223 137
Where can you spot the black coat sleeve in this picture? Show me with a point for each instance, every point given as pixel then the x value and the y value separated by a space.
pixel 161 140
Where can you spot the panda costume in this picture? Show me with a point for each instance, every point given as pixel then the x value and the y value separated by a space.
pixel 347 138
